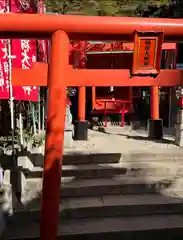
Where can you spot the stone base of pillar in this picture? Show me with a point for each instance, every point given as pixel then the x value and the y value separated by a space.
pixel 179 135
pixel 68 130
pixel 68 136
pixel 179 128
pixel 81 130
pixel 155 129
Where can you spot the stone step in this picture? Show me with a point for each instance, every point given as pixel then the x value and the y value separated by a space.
pixel 174 154
pixel 121 185
pixel 107 206
pixel 91 227
pixel 72 158
pixel 77 158
pixel 109 170
pixel 72 187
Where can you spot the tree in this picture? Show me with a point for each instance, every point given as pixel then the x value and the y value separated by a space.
pixel 165 10
pixel 102 7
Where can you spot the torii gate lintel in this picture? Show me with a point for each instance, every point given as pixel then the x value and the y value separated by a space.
pixel 38 76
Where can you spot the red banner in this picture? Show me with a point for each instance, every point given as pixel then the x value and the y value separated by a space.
pixel 4 83
pixel 4 71
pixel 3 7
pixel 24 52
pixel 42 44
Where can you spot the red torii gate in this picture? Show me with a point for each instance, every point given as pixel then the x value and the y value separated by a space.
pixel 81 48
pixel 61 75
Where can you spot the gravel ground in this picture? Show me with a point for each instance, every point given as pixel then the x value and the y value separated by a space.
pixel 123 140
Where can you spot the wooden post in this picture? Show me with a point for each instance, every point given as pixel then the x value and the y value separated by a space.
pixel 82 103
pixel 130 120
pixel 93 97
pixel 54 136
pixel 154 102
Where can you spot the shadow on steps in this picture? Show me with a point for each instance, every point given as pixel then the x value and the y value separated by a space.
pixel 84 192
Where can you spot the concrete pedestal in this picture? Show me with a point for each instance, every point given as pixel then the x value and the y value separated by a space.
pixel 81 130
pixel 68 136
pixel 155 129
pixel 179 129
pixel 68 130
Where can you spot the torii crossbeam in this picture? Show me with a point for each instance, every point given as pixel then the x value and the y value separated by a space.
pixel 60 29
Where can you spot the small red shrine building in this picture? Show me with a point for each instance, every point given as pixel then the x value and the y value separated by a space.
pixel 111 55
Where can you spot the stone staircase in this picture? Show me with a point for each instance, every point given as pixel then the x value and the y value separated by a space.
pixel 105 193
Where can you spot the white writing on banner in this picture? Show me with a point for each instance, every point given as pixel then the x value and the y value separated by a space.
pixel 5 52
pixel 7 84
pixel 4 67
pixel 25 67
pixel 25 5
pixel 25 50
pixel 25 45
pixel 27 90
pixel 1 76
pixel 3 58
pixel 2 6
pixel 26 61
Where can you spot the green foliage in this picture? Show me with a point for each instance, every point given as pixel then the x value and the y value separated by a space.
pixel 103 7
pixel 29 138
pixel 38 140
pixel 35 140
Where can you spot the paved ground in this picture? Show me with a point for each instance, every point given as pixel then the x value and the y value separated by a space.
pixel 128 141
pixel 124 140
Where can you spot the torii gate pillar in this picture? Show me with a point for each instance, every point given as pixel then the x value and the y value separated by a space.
pixel 155 124
pixel 54 136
